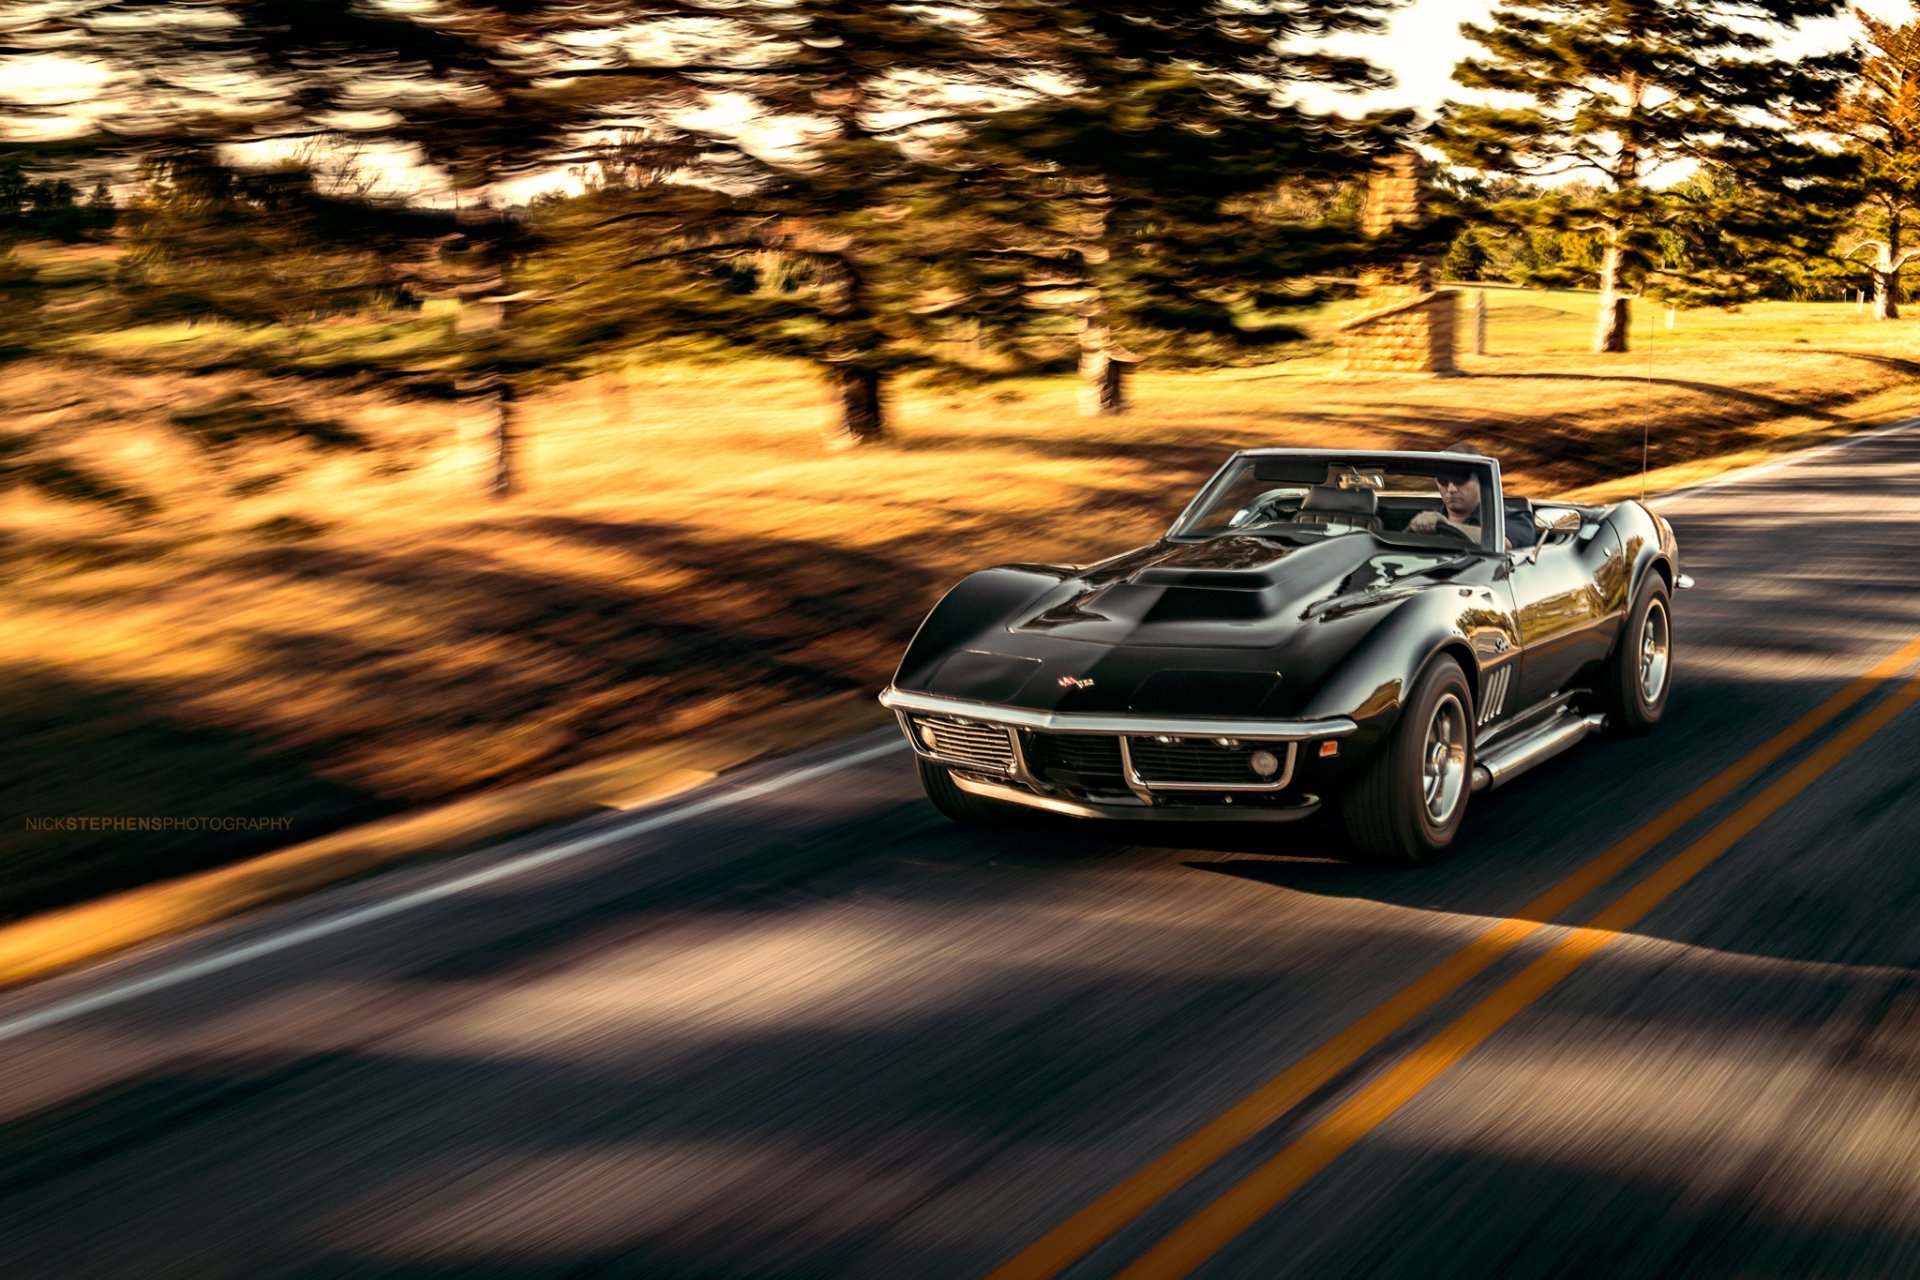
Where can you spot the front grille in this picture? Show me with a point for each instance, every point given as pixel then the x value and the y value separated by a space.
pixel 1202 762
pixel 1089 761
pixel 984 745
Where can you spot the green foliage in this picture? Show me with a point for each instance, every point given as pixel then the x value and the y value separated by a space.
pixel 827 246
pixel 48 208
pixel 1139 198
pixel 933 229
pixel 1877 122
pixel 1467 258
pixel 1617 91
pixel 250 247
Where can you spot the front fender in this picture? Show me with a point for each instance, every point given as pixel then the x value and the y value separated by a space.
pixel 1371 683
pixel 979 602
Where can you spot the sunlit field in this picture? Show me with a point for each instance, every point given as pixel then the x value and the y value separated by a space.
pixel 333 635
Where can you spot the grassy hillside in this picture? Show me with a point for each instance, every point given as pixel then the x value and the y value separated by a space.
pixel 329 636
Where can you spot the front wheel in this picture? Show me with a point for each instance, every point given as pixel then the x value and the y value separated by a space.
pixel 1633 689
pixel 964 807
pixel 1407 803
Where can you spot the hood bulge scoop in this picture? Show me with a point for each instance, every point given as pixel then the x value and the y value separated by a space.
pixel 1216 592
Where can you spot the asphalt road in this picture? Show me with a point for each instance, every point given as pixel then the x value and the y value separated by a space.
pixel 807 1029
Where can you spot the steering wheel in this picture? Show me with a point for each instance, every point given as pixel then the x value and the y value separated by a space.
pixel 1446 526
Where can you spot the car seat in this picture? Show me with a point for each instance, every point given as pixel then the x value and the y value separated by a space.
pixel 1345 508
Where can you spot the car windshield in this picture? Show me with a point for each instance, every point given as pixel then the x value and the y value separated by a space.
pixel 1409 498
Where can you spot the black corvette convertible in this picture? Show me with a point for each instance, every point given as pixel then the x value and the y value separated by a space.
pixel 1385 632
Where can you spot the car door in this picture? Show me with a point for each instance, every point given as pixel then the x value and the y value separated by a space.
pixel 1564 623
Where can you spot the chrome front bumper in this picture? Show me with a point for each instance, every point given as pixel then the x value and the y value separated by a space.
pixel 1015 782
pixel 1137 811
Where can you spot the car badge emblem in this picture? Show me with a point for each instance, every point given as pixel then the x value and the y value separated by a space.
pixel 1068 682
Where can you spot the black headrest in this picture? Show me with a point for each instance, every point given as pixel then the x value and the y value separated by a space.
pixel 1326 497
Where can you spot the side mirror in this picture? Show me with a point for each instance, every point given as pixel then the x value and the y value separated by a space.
pixel 1554 523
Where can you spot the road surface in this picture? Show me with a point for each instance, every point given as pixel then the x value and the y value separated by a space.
pixel 1660 1014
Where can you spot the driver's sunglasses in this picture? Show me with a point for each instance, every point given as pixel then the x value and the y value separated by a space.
pixel 1453 479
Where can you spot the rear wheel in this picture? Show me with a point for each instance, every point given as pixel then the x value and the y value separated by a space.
pixel 962 807
pixel 1633 690
pixel 1407 803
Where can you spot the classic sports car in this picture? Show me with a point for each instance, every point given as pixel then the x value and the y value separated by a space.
pixel 1383 631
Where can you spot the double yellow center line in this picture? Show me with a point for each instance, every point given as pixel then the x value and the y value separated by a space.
pixel 1210 1230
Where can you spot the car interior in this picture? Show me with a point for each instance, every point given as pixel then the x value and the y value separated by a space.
pixel 1331 505
pixel 1338 508
pixel 1341 499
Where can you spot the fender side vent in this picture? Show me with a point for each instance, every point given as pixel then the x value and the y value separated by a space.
pixel 1493 698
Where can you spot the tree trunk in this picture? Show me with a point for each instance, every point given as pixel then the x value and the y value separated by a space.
pixel 1886 295
pixel 1610 332
pixel 504 441
pixel 1103 378
pixel 1886 275
pixel 863 414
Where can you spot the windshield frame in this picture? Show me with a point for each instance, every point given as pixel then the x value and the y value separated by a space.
pixel 1490 491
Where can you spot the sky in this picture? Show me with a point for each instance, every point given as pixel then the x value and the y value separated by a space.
pixel 1420 48
pixel 1424 42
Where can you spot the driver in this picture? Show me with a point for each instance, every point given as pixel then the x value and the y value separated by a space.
pixel 1460 496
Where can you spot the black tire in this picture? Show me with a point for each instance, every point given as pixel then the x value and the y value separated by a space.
pixel 1386 807
pixel 959 806
pixel 1623 687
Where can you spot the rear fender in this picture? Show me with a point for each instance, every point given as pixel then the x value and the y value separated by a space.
pixel 1648 547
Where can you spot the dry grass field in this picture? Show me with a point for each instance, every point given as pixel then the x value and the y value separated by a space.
pixel 328 637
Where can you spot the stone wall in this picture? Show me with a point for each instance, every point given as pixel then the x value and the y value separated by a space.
pixel 1406 325
pixel 1396 194
pixel 1414 333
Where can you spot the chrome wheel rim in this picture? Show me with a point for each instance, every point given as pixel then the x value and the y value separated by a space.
pixel 1443 761
pixel 1655 646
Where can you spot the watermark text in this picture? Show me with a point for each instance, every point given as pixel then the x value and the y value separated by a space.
pixel 155 822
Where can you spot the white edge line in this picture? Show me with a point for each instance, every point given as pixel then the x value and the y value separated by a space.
pixel 67 1010
pixel 1759 469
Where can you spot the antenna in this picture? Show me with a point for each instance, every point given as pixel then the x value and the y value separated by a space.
pixel 1646 418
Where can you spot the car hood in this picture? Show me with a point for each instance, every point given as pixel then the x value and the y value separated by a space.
pixel 1232 625
pixel 1227 592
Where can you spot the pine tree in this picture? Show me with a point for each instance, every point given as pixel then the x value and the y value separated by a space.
pixel 1877 120
pixel 790 127
pixel 1132 187
pixel 1616 91
pixel 804 197
pixel 464 84
pixel 1466 258
pixel 99 214
pixel 817 174
pixel 250 247
pixel 940 194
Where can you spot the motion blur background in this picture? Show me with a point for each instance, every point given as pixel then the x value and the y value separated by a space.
pixel 403 399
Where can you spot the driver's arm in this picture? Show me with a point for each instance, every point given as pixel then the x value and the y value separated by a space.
pixel 1435 522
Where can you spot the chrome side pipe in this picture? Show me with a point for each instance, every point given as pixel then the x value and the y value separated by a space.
pixel 1508 760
